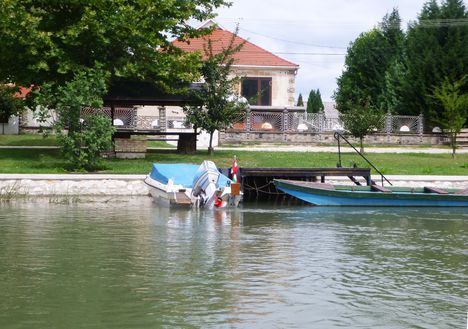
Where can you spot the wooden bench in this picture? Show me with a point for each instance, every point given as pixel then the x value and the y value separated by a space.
pixel 378 188
pixel 163 139
pixel 429 189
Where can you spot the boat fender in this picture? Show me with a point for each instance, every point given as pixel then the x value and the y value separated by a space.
pixel 219 203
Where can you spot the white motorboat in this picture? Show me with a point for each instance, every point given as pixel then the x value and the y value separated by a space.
pixel 189 185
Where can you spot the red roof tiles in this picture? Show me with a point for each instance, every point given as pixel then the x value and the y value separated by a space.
pixel 250 54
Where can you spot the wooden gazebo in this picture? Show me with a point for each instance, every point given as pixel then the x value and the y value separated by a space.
pixel 131 94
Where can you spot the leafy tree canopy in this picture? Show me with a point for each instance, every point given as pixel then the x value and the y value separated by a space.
pixel 455 108
pixel 9 103
pixel 49 41
pixel 362 119
pixel 219 107
pixel 367 62
pixel 71 51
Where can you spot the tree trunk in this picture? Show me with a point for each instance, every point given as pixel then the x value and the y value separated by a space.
pixel 187 144
pixel 210 147
pixel 453 142
pixel 4 118
pixel 361 144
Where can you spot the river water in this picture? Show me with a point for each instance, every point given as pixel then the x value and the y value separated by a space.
pixel 130 264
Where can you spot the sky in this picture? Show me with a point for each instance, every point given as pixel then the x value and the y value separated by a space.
pixel 311 33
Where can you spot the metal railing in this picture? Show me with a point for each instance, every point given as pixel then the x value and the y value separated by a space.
pixel 339 136
pixel 280 120
pixel 270 119
pixel 261 119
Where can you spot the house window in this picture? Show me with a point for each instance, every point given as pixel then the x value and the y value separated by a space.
pixel 257 91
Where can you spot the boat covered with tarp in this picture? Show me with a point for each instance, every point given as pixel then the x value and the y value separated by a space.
pixel 188 185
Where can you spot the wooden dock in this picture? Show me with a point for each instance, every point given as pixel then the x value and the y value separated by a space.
pixel 258 182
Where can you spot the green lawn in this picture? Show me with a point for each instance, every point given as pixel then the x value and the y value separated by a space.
pixel 39 140
pixel 27 140
pixel 49 161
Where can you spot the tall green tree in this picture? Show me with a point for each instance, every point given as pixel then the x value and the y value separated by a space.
pixel 436 49
pixel 314 102
pixel 455 108
pixel 218 107
pixel 51 45
pixel 49 41
pixel 367 61
pixel 300 101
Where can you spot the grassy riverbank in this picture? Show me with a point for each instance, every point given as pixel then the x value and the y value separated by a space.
pixel 50 161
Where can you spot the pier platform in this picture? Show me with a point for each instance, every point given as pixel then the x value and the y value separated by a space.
pixel 258 182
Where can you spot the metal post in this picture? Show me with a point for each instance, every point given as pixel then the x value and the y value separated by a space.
pixel 162 118
pixel 421 124
pixel 388 123
pixel 285 120
pixel 112 113
pixel 339 151
pixel 321 121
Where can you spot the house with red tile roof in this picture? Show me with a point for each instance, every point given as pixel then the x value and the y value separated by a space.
pixel 266 79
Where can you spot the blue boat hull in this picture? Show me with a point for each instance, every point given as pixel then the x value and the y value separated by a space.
pixel 321 197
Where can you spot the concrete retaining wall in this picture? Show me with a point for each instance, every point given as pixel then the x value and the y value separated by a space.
pixel 133 185
pixel 50 185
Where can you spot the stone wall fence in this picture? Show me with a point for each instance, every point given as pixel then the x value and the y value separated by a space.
pixel 294 125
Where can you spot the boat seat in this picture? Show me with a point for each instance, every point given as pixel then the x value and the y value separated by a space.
pixel 378 188
pixel 462 192
pixel 182 199
pixel 324 186
pixel 429 189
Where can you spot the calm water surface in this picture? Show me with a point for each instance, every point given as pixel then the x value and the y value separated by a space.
pixel 130 264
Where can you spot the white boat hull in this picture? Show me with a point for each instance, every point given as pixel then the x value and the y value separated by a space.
pixel 170 196
pixel 180 185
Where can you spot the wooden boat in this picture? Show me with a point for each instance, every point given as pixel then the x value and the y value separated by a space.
pixel 322 194
pixel 189 185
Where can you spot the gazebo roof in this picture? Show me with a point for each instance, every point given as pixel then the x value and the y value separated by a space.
pixel 145 93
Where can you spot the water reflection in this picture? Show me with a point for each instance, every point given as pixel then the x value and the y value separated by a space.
pixel 128 263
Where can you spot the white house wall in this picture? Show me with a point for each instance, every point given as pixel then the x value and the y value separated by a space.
pixel 10 128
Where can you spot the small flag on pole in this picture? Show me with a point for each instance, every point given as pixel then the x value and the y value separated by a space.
pixel 234 169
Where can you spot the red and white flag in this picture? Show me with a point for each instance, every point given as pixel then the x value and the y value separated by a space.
pixel 234 169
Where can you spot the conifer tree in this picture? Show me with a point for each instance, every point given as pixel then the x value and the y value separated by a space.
pixel 436 49
pixel 300 102
pixel 314 102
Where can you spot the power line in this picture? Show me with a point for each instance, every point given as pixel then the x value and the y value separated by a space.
pixel 446 22
pixel 290 21
pixel 292 53
pixel 289 41
pixel 309 54
pixel 435 21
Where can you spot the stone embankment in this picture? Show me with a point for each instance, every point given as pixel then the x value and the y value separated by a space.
pixel 71 184
pixel 133 185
